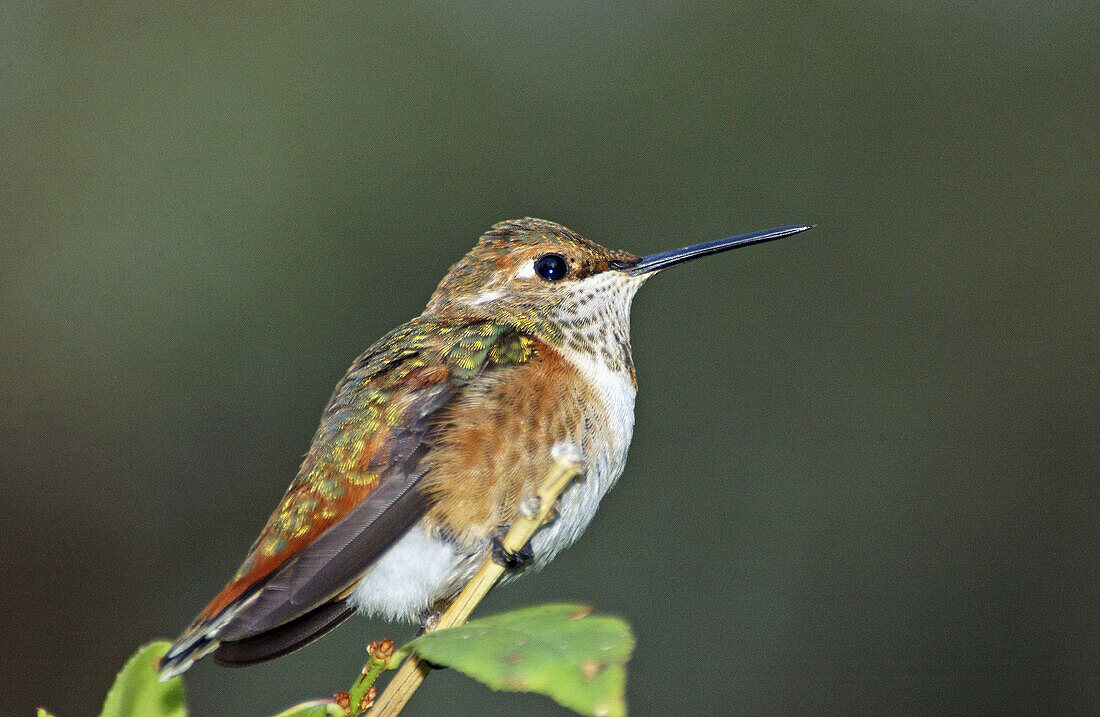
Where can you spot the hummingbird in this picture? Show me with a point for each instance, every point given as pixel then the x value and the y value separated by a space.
pixel 436 436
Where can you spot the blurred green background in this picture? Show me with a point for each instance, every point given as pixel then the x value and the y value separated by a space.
pixel 865 469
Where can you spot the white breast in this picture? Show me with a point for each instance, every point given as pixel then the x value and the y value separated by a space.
pixel 604 451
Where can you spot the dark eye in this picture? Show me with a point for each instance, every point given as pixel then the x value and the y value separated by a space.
pixel 552 267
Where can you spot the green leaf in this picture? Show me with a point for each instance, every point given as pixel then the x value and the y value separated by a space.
pixel 41 712
pixel 137 692
pixel 315 708
pixel 562 651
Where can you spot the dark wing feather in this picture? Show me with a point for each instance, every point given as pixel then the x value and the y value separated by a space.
pixel 334 561
pixel 283 639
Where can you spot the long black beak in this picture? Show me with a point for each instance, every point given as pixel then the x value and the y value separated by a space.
pixel 656 262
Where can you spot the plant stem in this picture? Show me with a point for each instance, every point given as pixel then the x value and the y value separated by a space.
pixel 380 654
pixel 567 466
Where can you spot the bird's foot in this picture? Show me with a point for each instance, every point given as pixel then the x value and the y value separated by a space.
pixel 509 559
pixel 428 618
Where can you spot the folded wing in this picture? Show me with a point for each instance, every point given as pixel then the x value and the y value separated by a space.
pixel 355 494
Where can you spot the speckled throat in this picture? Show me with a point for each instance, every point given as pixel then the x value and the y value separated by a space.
pixel 594 319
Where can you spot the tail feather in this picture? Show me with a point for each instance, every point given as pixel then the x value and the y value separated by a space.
pixel 202 639
pixel 180 658
pixel 198 641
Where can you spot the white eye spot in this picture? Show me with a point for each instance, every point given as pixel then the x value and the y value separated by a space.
pixel 526 271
